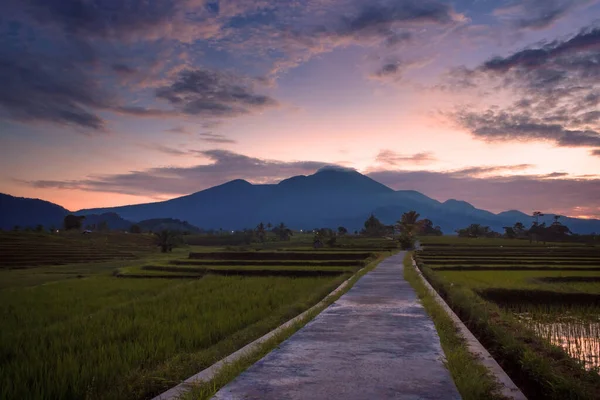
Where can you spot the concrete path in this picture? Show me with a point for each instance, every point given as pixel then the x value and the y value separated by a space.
pixel 375 342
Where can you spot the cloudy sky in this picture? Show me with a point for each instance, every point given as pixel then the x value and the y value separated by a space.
pixel 111 102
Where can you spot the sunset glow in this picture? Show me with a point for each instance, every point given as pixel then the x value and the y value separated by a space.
pixel 493 102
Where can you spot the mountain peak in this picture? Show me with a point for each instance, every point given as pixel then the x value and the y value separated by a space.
pixel 335 168
pixel 458 203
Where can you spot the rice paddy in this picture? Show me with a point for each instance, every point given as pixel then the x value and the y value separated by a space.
pixel 130 326
pixel 552 291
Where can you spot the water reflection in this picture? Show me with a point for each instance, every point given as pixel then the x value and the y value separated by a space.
pixel 579 338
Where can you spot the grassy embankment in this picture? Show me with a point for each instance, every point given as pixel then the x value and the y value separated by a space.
pixel 471 378
pixel 534 307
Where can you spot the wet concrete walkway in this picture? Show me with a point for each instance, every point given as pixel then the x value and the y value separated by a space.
pixel 375 342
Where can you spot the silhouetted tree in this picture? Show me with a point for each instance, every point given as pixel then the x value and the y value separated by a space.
pixel 261 233
pixel 283 232
pixel 39 228
pixel 477 230
pixel 373 227
pixel 16 228
pixel 73 222
pixel 332 241
pixel 135 228
pixel 342 231
pixel 409 223
pixel 167 240
pixel 426 228
pixel 536 216
pixel 509 232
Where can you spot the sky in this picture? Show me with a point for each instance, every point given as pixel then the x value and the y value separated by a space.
pixel 113 102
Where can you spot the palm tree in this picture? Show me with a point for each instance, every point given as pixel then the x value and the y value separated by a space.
pixel 261 233
pixel 537 215
pixel 409 223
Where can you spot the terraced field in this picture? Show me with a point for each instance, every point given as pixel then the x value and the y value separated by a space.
pixel 536 307
pixel 81 329
pixel 28 249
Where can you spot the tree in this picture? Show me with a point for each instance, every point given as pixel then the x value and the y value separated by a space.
pixel 373 227
pixel 73 222
pixel 135 228
pixel 342 231
pixel 103 226
pixel 167 239
pixel 283 232
pixel 537 215
pixel 409 223
pixel 332 241
pixel 16 228
pixel 520 230
pixel 477 230
pixel 261 233
pixel 536 228
pixel 39 228
pixel 426 228
pixel 509 232
pixel 269 225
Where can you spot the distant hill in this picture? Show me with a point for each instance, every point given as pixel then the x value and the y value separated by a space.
pixel 113 221
pixel 331 197
pixel 171 224
pixel 26 213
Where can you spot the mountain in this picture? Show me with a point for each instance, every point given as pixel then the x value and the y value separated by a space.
pixel 331 197
pixel 28 213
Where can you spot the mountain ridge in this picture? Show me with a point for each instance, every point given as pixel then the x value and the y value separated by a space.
pixel 328 198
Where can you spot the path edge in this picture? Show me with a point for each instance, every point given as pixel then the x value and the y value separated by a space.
pixel 507 386
pixel 211 372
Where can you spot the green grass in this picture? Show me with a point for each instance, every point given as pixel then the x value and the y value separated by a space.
pixel 525 280
pixel 471 378
pixel 458 241
pixel 104 337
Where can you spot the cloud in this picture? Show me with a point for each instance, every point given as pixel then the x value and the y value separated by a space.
pixel 392 158
pixel 213 93
pixel 555 86
pixel 537 14
pixel 381 18
pixel 223 166
pixel 132 20
pixel 494 125
pixel 485 170
pixel 587 40
pixel 178 129
pixel 50 89
pixel 166 149
pixel 123 69
pixel 215 138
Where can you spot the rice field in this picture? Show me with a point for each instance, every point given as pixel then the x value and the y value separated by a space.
pixel 130 328
pixel 552 291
